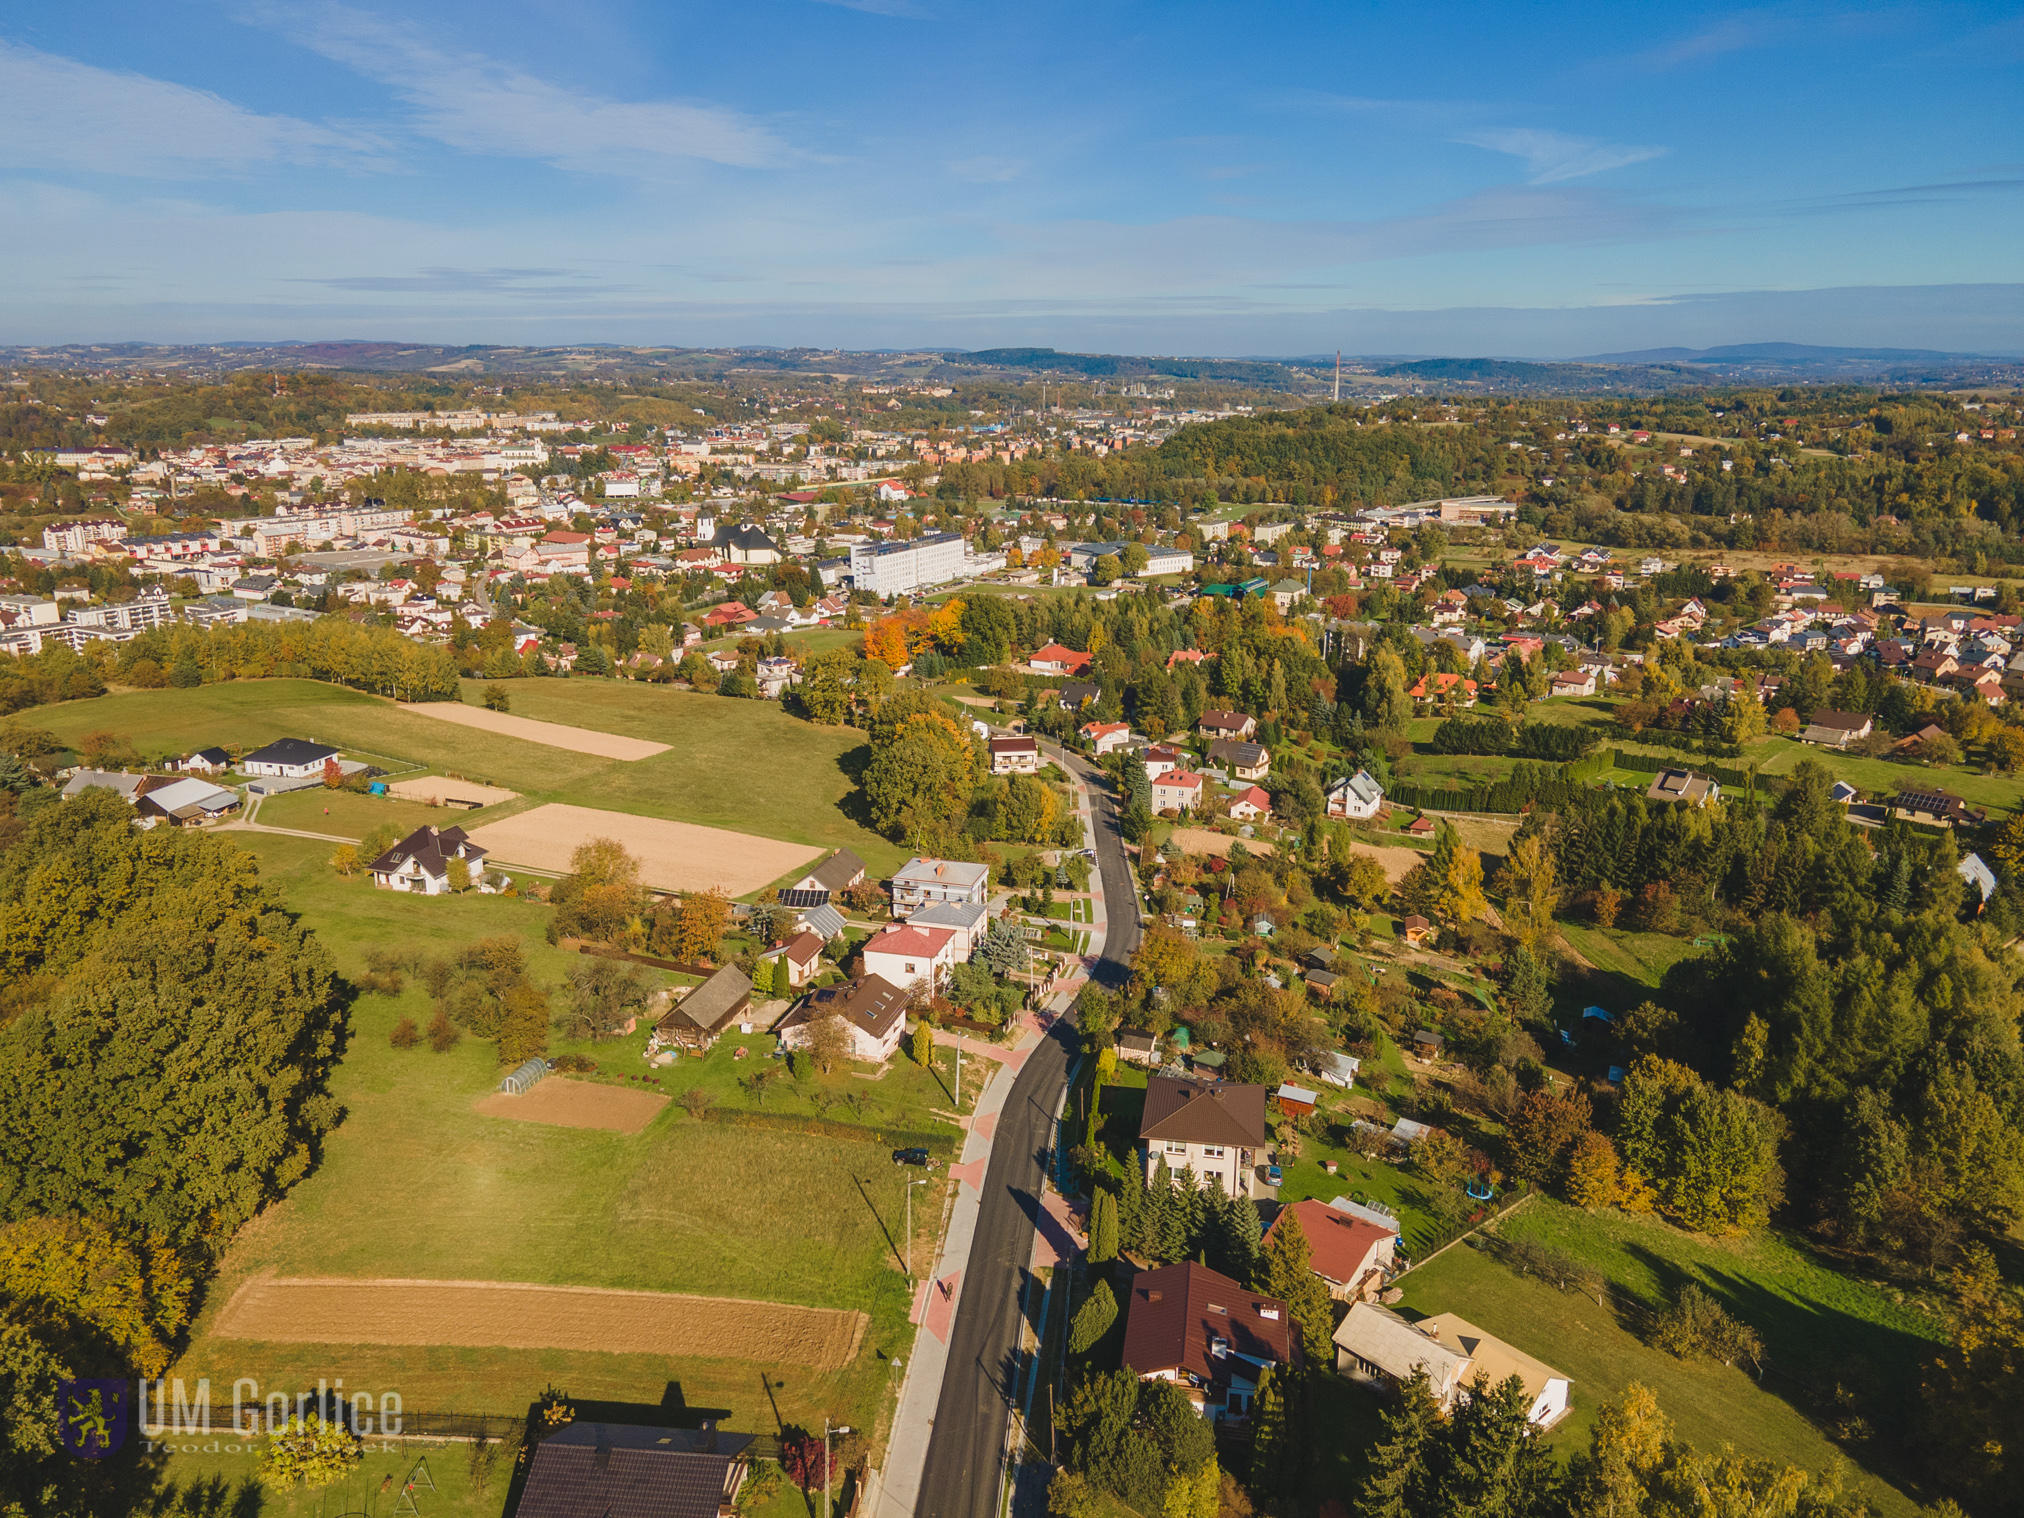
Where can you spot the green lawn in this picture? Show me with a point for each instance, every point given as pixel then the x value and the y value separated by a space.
pixel 743 765
pixel 349 815
pixel 1819 1328
pixel 415 1183
pixel 1638 961
pixel 1883 777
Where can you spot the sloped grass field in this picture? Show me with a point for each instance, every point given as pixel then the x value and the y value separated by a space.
pixel 417 1184
pixel 1820 1328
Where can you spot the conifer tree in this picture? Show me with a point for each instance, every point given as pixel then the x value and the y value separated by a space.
pixel 1102 1227
pixel 1397 1470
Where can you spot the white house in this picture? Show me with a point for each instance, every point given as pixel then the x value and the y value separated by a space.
pixel 1216 1129
pixel 970 921
pixel 1159 759
pixel 288 759
pixel 420 862
pixel 1178 790
pixel 1104 737
pixel 905 954
pixel 1358 798
pixel 1015 756
pixel 923 882
pixel 873 1010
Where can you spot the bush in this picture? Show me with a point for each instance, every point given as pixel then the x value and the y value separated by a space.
pixel 443 1034
pixel 1695 1327
pixel 1092 1319
pixel 574 1064
pixel 405 1035
pixel 801 1064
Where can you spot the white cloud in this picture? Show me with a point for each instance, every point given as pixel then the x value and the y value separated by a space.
pixel 1552 157
pixel 57 113
pixel 482 105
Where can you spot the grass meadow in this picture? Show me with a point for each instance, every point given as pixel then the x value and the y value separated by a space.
pixel 1821 1329
pixel 416 1184
pixel 742 765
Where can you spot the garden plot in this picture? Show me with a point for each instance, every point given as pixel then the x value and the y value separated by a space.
pixel 674 856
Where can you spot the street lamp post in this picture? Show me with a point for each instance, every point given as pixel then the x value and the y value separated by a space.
pixel 841 1428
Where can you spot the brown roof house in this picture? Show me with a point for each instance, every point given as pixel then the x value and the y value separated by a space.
pixel 420 862
pixel 1833 729
pixel 700 1018
pixel 602 1470
pixel 836 874
pixel 1247 761
pixel 1683 785
pixel 1213 1127
pixel 1227 724
pixel 802 955
pixel 873 1009
pixel 1351 1254
pixel 1206 1333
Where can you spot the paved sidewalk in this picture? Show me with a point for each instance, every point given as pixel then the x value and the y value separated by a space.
pixel 896 1488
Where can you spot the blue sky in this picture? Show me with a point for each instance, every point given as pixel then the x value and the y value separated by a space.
pixel 1545 180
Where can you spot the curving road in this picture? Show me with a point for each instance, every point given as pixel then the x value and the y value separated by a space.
pixel 965 1454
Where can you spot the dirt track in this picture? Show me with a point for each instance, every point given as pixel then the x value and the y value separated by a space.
pixel 507 1315
pixel 577 1104
pixel 581 740
pixel 675 856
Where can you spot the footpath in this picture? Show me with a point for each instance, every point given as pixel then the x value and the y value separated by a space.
pixel 895 1488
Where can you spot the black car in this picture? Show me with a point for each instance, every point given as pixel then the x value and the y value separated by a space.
pixel 911 1157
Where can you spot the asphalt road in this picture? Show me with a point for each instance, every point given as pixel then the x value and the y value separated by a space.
pixel 960 1478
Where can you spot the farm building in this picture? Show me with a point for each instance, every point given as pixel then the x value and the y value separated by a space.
pixel 182 802
pixel 700 1018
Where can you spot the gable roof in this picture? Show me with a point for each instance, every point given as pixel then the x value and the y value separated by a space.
pixel 1339 1245
pixel 1237 751
pixel 804 948
pixel 921 942
pixel 1380 1337
pixel 1177 1312
pixel 431 849
pixel 596 1470
pixel 712 1004
pixel 871 1002
pixel 1491 1358
pixel 1222 1112
pixel 823 920
pixel 1233 722
pixel 837 871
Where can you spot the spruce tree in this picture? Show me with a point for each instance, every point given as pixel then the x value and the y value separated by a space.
pixel 1102 1227
pixel 1268 1436
pixel 1285 1272
pixel 1397 1470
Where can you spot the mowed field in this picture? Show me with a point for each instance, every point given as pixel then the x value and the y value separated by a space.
pixel 418 1184
pixel 745 766
pixel 507 1315
pixel 675 856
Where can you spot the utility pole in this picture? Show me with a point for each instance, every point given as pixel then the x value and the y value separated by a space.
pixel 841 1428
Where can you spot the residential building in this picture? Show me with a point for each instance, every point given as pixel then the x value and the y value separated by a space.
pixel 1159 759
pixel 970 921
pixel 905 955
pixel 421 861
pixel 1832 729
pixel 891 569
pixel 1015 756
pixel 600 1468
pixel 1055 659
pixel 1246 761
pixel 1215 1128
pixel 835 875
pixel 287 759
pixel 1375 1344
pixel 1358 798
pixel 1683 785
pixel 1934 808
pixel 1352 1255
pixel 802 956
pixel 1251 805
pixel 873 1009
pixel 206 761
pixel 1211 1336
pixel 1227 725
pixel 923 882
pixel 700 1018
pixel 746 544
pixel 77 537
pixel 1177 791
pixel 128 788
pixel 1106 737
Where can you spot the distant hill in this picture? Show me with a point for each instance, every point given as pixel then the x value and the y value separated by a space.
pixel 1123 366
pixel 1781 353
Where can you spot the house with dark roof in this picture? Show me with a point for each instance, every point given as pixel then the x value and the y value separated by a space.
pixel 602 1470
pixel 1073 695
pixel 700 1018
pixel 1832 729
pixel 835 875
pixel 206 761
pixel 288 759
pixel 420 862
pixel 802 955
pixel 1246 761
pixel 1227 725
pixel 873 1009
pixel 1934 808
pixel 1216 1127
pixel 1206 1333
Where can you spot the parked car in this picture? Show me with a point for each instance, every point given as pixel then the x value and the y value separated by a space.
pixel 912 1157
pixel 1274 1175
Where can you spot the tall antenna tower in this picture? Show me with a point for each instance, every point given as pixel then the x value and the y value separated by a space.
pixel 1338 374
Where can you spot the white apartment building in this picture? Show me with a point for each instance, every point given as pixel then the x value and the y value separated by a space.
pixel 891 569
pixel 75 537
